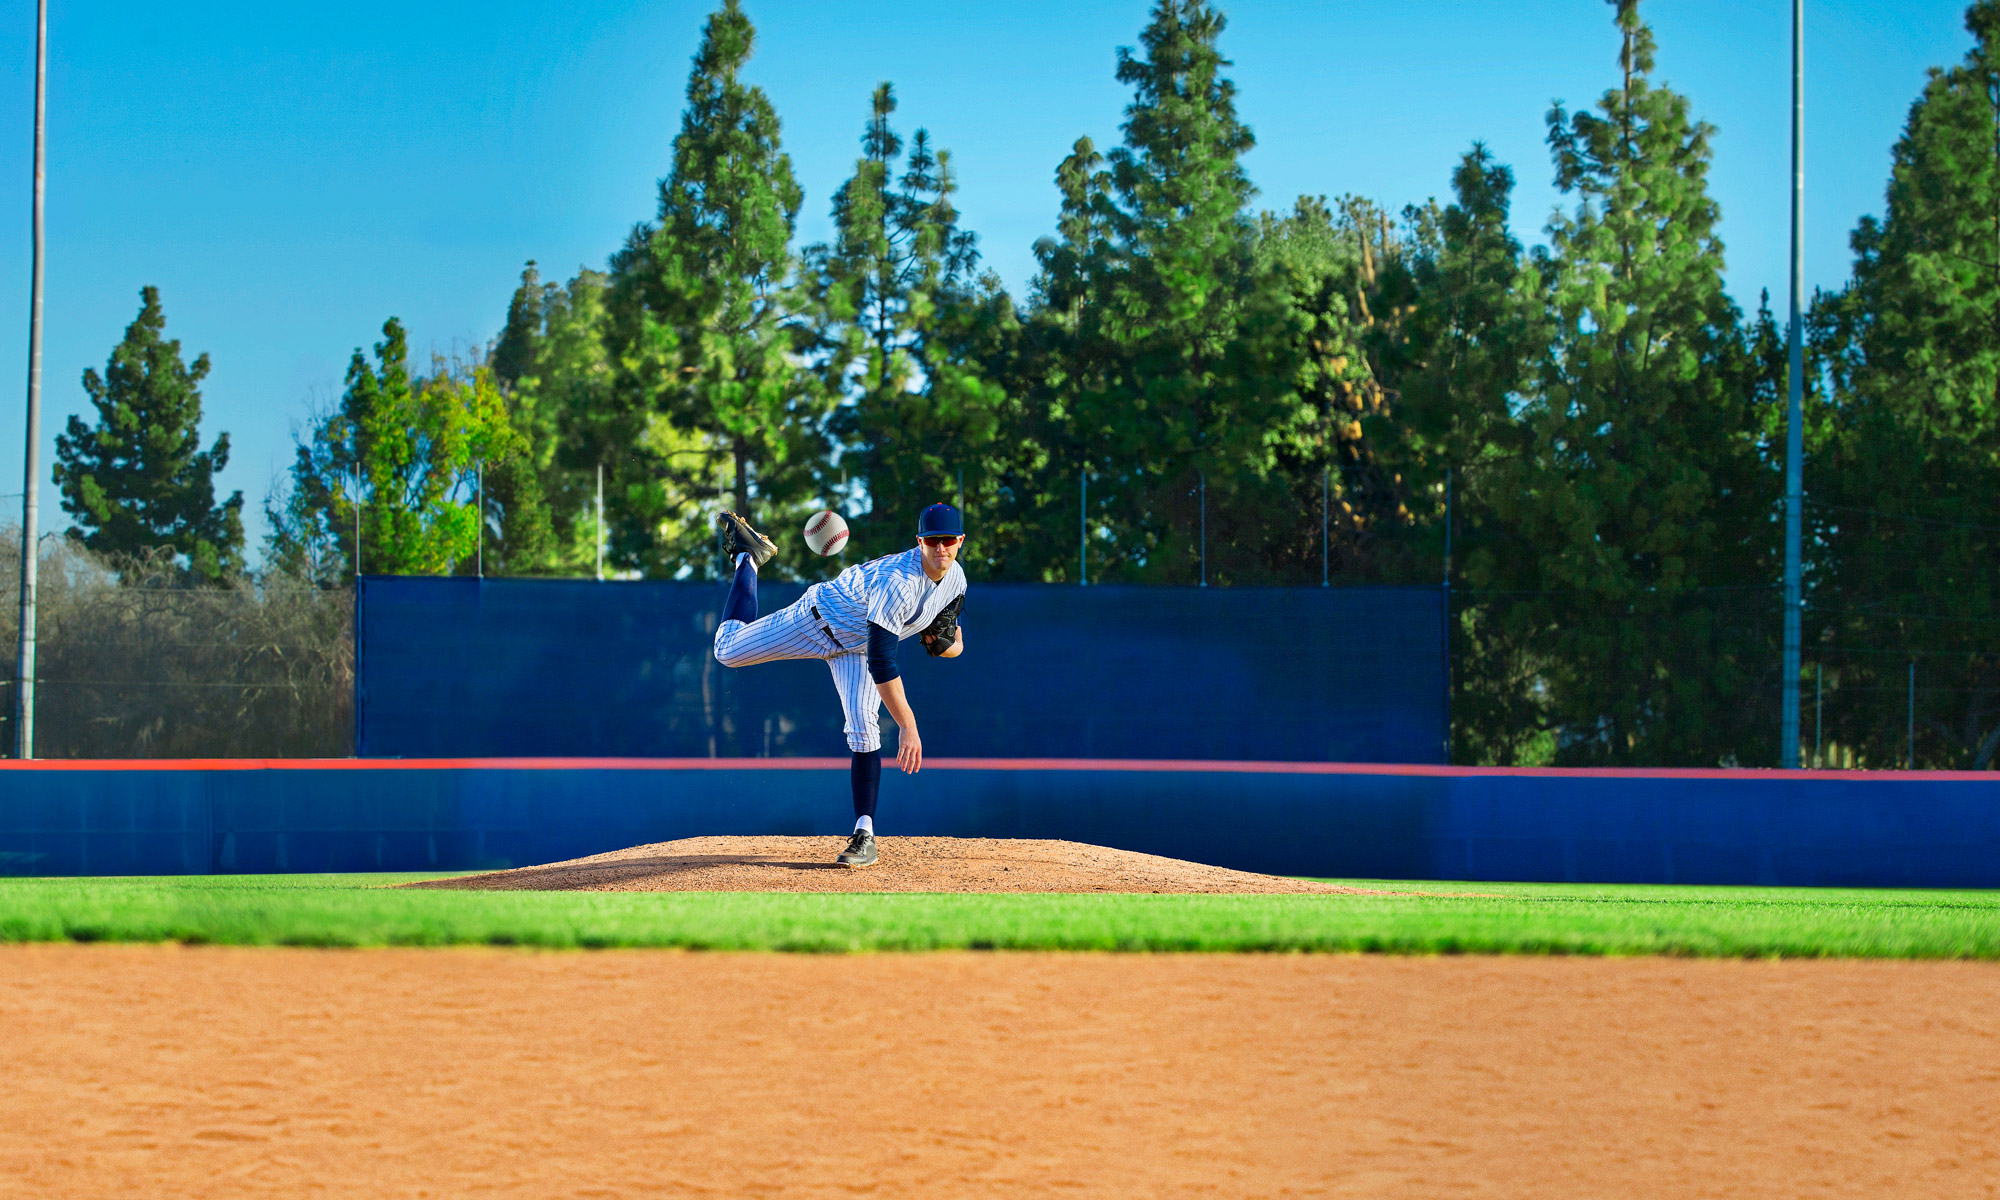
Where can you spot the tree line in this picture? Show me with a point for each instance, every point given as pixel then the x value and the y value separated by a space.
pixel 1591 426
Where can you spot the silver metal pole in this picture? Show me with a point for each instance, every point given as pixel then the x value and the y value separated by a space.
pixel 24 690
pixel 357 508
pixel 1788 737
pixel 1083 528
pixel 600 522
pixel 1203 477
pixel 479 490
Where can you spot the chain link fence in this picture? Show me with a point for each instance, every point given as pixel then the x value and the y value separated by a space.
pixel 132 661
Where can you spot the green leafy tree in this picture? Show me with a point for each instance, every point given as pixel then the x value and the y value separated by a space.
pixel 1346 281
pixel 138 481
pixel 903 320
pixel 405 452
pixel 1903 470
pixel 707 320
pixel 1168 346
pixel 1637 546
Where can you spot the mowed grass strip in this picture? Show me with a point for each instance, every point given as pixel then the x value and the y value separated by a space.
pixel 362 910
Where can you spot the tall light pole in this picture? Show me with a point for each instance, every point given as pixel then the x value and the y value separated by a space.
pixel 1788 745
pixel 24 683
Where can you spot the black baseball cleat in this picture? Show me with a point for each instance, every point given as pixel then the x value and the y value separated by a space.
pixel 738 538
pixel 860 850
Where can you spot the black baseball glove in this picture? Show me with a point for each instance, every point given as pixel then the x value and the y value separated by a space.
pixel 942 633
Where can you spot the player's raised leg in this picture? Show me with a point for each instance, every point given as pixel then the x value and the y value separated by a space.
pixel 738 643
pixel 860 705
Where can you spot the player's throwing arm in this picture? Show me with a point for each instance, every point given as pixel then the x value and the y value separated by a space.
pixel 855 622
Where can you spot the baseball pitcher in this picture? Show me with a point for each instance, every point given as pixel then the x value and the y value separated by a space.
pixel 855 623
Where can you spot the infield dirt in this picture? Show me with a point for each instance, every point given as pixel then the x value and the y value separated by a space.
pixel 166 1071
pixel 906 864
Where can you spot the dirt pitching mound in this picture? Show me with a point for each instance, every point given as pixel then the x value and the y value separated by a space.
pixel 905 864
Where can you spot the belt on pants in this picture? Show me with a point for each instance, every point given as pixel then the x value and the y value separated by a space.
pixel 825 627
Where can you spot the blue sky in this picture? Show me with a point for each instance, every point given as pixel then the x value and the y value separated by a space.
pixel 291 176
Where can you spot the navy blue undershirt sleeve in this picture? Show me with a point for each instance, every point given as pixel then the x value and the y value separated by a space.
pixel 882 647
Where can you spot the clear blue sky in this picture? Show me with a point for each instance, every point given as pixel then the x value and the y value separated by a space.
pixel 291 176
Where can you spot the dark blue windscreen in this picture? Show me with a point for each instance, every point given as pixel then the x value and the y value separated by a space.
pixel 452 668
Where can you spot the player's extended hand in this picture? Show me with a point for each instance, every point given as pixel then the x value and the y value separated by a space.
pixel 909 751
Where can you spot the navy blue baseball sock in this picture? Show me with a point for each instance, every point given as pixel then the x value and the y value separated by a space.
pixel 866 775
pixel 742 602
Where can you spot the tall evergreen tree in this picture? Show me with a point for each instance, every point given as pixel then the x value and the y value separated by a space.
pixel 1456 365
pixel 1904 464
pixel 138 480
pixel 1051 358
pixel 1639 556
pixel 555 368
pixel 1463 354
pixel 1171 345
pixel 707 318
pixel 903 317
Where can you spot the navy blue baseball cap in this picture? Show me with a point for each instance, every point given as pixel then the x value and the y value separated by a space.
pixel 940 520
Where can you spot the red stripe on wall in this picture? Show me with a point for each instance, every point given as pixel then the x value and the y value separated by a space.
pixel 962 764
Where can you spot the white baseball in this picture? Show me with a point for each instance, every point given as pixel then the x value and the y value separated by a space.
pixel 826 532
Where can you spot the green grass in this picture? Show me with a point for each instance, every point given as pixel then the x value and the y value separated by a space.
pixel 358 910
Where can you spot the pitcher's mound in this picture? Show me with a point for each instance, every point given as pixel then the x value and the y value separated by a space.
pixel 905 864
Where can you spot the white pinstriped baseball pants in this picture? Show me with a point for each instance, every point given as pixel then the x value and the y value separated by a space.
pixel 791 632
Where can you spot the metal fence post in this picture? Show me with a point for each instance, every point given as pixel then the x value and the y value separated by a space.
pixel 1819 711
pixel 1910 762
pixel 1202 478
pixel 1083 527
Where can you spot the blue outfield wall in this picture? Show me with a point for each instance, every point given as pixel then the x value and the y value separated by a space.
pixel 468 668
pixel 1888 829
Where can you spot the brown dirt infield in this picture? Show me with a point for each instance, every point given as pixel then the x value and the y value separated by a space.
pixel 904 864
pixel 168 1072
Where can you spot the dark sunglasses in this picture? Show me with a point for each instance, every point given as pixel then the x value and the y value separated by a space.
pixel 939 543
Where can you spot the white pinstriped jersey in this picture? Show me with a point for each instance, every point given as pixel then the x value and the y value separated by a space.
pixel 891 591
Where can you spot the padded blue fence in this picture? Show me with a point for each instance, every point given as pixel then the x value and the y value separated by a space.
pixel 478 668
pixel 1892 829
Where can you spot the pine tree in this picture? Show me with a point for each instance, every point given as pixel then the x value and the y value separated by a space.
pixel 707 318
pixel 1638 553
pixel 1903 469
pixel 902 320
pixel 1472 326
pixel 1171 349
pixel 139 481
pixel 1456 366
pixel 1044 363
pixel 555 369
